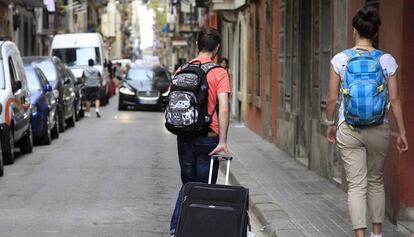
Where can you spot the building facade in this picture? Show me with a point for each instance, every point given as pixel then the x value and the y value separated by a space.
pixel 280 52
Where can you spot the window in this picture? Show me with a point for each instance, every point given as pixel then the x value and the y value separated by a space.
pixel 326 43
pixel 13 76
pixel 288 47
pixel 48 68
pixel 239 60
pixel 268 51
pixel 12 70
pixel 78 56
pixel 258 53
pixel 33 82
pixel 140 74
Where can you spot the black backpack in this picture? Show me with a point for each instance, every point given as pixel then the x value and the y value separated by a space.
pixel 186 113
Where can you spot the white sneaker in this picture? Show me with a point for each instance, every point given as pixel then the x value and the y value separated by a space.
pixel 87 115
pixel 374 235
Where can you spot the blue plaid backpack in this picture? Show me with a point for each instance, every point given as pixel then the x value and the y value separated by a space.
pixel 364 88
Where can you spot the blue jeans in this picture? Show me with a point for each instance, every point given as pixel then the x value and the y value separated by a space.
pixel 195 165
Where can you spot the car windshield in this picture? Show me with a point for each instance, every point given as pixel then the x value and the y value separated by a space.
pixel 48 69
pixel 2 76
pixel 140 74
pixel 78 56
pixel 32 79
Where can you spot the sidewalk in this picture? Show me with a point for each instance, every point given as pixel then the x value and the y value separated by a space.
pixel 288 199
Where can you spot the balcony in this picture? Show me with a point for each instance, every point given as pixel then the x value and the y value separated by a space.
pixel 223 5
pixel 188 19
pixel 28 3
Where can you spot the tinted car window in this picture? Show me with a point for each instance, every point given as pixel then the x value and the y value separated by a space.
pixel 42 77
pixel 140 74
pixel 48 69
pixel 32 79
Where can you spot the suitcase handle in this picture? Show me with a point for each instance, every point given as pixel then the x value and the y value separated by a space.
pixel 226 157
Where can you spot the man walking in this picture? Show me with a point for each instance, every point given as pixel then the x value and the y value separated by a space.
pixel 92 79
pixel 194 151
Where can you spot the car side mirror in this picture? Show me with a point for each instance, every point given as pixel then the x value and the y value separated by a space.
pixel 17 86
pixel 48 88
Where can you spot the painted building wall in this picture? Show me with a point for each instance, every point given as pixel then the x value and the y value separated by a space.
pixel 256 75
pixel 4 21
pixel 407 74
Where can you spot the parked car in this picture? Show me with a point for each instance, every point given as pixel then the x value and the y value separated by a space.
pixel 44 118
pixel 144 87
pixel 76 49
pixel 79 95
pixel 62 87
pixel 15 112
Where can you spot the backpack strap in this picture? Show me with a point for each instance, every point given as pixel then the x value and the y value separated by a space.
pixel 206 67
pixel 184 66
pixel 350 53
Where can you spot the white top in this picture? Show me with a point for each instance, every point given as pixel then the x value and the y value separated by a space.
pixel 339 62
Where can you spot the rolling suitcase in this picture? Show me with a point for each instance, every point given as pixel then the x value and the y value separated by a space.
pixel 212 210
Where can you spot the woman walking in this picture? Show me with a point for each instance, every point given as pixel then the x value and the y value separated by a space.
pixel 367 80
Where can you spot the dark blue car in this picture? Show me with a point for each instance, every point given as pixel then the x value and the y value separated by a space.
pixel 43 102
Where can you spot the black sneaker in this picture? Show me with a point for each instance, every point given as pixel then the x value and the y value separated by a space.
pixel 98 114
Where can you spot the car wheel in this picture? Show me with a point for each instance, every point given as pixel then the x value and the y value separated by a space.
pixel 77 116
pixel 8 146
pixel 47 136
pixel 55 130
pixel 61 120
pixel 26 144
pixel 1 167
pixel 121 106
pixel 81 111
pixel 71 121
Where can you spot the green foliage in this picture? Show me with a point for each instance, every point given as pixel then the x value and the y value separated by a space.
pixel 160 16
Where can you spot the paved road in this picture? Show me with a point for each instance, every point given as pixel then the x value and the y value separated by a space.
pixel 114 176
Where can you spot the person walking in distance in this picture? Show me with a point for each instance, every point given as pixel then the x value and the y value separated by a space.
pixel 362 131
pixel 93 79
pixel 224 62
pixel 194 151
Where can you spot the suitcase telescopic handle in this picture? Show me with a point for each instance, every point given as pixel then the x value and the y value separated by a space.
pixel 226 157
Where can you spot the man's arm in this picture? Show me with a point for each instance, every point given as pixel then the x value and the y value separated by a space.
pixel 223 100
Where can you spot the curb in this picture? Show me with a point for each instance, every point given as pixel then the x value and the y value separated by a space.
pixel 406 227
pixel 272 217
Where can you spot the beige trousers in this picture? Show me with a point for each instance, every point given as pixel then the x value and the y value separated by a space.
pixel 363 154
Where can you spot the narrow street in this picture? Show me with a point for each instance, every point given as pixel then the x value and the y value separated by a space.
pixel 114 176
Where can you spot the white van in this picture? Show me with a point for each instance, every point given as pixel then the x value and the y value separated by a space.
pixel 76 49
pixel 15 106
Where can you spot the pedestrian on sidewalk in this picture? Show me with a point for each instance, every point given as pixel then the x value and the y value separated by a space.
pixel 93 80
pixel 362 137
pixel 194 152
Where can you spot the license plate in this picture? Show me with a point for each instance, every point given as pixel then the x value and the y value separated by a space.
pixel 148 102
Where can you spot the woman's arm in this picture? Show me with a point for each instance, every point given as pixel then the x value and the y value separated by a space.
pixel 394 98
pixel 331 99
